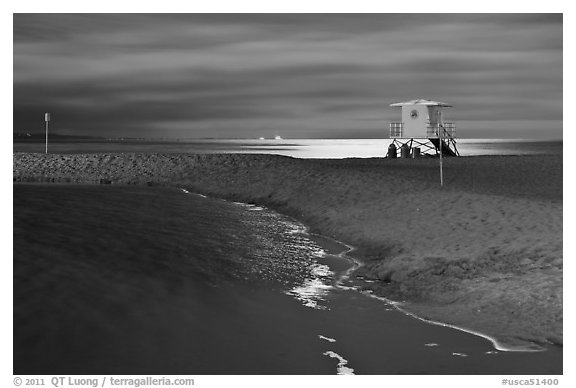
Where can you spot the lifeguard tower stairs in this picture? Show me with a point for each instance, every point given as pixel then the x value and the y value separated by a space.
pixel 422 131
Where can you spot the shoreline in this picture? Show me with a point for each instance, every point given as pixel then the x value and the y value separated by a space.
pixel 330 246
pixel 356 264
pixel 502 275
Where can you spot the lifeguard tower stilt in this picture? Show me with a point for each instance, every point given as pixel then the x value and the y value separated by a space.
pixel 422 131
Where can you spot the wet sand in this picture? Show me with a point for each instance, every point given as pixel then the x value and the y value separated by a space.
pixel 484 253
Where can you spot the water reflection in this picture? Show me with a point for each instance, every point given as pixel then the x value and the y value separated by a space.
pixel 375 148
pixel 299 148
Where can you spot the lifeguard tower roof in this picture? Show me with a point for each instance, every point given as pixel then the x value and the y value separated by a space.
pixel 421 102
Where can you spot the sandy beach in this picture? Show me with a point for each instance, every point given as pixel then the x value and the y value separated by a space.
pixel 483 253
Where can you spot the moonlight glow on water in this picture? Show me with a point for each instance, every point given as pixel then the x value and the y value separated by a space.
pixel 298 148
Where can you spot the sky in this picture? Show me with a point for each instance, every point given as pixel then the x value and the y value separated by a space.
pixel 289 75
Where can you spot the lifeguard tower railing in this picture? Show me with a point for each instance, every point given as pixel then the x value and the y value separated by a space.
pixel 449 130
pixel 433 133
pixel 396 130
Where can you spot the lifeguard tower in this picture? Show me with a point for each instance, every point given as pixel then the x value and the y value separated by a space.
pixel 422 130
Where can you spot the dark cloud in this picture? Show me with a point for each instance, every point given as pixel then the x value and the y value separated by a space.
pixel 308 74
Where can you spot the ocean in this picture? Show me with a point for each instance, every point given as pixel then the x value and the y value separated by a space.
pixel 298 148
pixel 150 280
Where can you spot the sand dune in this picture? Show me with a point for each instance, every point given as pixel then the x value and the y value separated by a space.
pixel 484 252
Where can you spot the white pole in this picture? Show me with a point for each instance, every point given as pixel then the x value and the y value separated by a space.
pixel 441 141
pixel 47 119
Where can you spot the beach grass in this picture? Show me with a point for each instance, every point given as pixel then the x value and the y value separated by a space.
pixel 484 252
